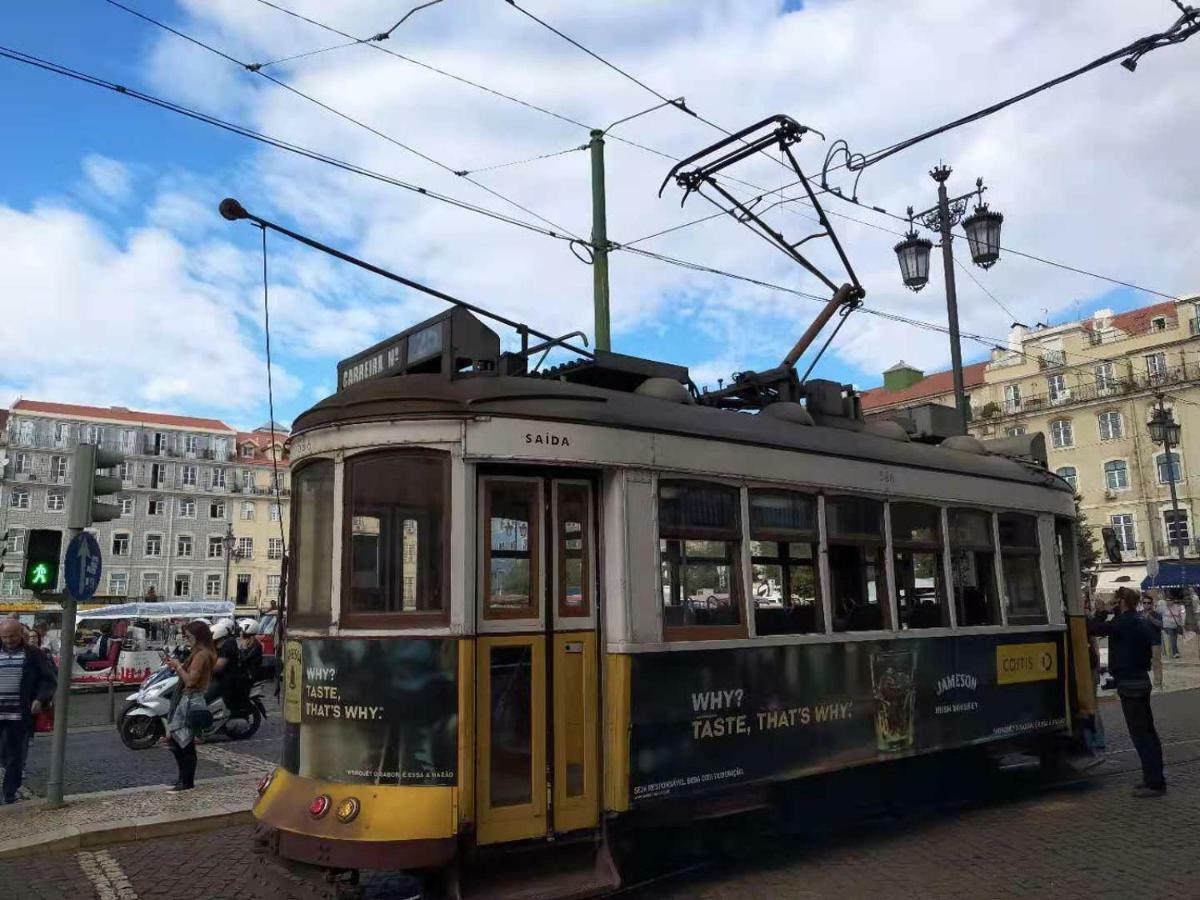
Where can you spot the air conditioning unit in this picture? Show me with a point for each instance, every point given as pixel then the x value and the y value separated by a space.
pixel 1110 494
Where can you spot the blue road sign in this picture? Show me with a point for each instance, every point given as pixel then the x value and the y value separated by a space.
pixel 83 566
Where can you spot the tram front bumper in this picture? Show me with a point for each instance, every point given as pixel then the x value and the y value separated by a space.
pixel 391 827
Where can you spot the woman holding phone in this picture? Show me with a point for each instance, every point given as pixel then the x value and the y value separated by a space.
pixel 195 673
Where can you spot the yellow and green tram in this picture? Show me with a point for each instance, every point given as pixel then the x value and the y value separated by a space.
pixel 528 608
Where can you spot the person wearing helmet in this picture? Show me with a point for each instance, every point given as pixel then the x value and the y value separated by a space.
pixel 225 672
pixel 250 655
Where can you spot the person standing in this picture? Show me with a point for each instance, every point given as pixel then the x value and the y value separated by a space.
pixel 27 683
pixel 1131 640
pixel 1171 614
pixel 195 673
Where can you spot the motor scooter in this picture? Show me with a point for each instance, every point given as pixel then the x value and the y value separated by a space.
pixel 143 721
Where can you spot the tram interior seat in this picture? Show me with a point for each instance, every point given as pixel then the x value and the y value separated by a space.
pixel 925 614
pixel 792 620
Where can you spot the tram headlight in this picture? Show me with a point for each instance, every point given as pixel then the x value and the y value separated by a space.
pixel 347 810
pixel 319 806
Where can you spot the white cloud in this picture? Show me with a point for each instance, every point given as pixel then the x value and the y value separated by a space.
pixel 109 178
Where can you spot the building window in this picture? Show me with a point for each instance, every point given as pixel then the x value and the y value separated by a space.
pixel 1158 323
pixel 150 583
pixel 58 467
pixel 126 506
pixel 216 547
pixel 154 506
pixel 247 480
pixel 183 546
pixel 512 548
pixel 23 463
pixel 1020 560
pixel 917 562
pixel 62 433
pixel 1106 377
pixel 1122 524
pixel 784 548
pixel 700 535
pixel 126 472
pixel 19 499
pixel 1112 426
pixel 1156 366
pixel 1169 468
pixel 158 475
pixel 93 434
pixel 973 568
pixel 274 512
pixel 248 510
pixel 310 578
pixel 54 501
pixel 129 440
pixel 187 509
pixel 118 584
pixel 1176 527
pixel 120 543
pixel 1012 397
pixel 1015 430
pixel 191 444
pixel 1061 434
pixel 212 585
pixel 275 549
pixel 1070 475
pixel 187 476
pixel 1116 475
pixel 247 451
pixel 216 509
pixel 245 548
pixel 153 545
pixel 243 590
pixel 1056 388
pixel 16 540
pixel 272 587
pixel 857 564
pixel 183 584
pixel 218 478
pixel 12 586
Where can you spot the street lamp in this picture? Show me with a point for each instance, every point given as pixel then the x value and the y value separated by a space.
pixel 983 239
pixel 1166 431
pixel 227 542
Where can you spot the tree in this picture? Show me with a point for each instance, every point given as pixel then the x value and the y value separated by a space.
pixel 1088 555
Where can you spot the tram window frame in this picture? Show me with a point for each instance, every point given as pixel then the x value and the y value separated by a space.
pixel 838 543
pixel 318 614
pixel 786 538
pixel 564 553
pixel 533 608
pixel 673 541
pixel 991 589
pixel 911 547
pixel 433 563
pixel 1017 553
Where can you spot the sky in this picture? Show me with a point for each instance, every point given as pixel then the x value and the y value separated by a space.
pixel 121 285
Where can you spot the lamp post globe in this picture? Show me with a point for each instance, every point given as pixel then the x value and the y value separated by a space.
pixel 913 255
pixel 983 235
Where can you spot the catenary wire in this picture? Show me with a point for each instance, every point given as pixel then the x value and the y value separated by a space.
pixel 271 394
pixel 521 162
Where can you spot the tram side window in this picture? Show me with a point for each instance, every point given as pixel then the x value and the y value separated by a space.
pixel 972 565
pixel 395 535
pixel 700 550
pixel 783 546
pixel 574 570
pixel 917 562
pixel 511 565
pixel 857 564
pixel 1021 562
pixel 310 599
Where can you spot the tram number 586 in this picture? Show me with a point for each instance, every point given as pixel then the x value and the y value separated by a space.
pixel 887 476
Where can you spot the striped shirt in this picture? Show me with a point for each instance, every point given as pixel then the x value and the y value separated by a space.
pixel 12 666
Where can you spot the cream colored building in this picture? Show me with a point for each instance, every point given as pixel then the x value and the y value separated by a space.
pixel 1090 386
pixel 260 519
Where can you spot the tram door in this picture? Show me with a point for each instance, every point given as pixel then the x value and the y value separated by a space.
pixel 537 698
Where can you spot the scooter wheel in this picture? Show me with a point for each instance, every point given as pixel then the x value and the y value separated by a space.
pixel 140 732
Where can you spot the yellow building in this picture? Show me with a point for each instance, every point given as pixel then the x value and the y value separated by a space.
pixel 1090 387
pixel 260 516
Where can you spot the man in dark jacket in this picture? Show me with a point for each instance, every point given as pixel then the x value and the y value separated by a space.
pixel 27 682
pixel 1131 641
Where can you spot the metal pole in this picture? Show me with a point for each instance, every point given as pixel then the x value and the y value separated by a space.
pixel 940 174
pixel 227 543
pixel 599 244
pixel 1162 412
pixel 62 696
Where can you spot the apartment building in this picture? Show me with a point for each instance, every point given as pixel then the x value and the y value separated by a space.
pixel 260 516
pixel 1090 387
pixel 180 486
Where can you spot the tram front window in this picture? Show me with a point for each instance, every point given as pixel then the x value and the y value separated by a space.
pixel 783 548
pixel 857 564
pixel 700 551
pixel 1020 559
pixel 972 565
pixel 395 543
pixel 312 540
pixel 920 578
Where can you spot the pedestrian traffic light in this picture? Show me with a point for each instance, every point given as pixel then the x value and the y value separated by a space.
pixel 86 485
pixel 43 549
pixel 1112 546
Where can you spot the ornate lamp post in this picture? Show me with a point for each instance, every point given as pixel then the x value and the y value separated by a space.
pixel 1166 431
pixel 983 238
pixel 227 543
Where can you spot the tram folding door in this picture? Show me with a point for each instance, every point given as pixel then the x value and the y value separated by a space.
pixel 537 698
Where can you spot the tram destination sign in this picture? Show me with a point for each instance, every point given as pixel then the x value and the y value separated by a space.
pixel 713 718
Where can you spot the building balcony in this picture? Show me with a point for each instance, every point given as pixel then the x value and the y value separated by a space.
pixel 1191 548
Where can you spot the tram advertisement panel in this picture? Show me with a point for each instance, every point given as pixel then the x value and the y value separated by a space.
pixel 372 711
pixel 716 717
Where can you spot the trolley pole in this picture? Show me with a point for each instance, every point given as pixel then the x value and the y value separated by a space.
pixel 599 244
pixel 940 174
pixel 62 696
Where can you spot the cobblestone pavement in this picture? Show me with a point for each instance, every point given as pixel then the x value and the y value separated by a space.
pixel 1086 839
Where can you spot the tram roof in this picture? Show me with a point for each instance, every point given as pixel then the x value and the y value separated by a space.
pixel 428 396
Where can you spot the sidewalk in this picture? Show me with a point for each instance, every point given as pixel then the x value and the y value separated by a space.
pixel 134 814
pixel 1181 674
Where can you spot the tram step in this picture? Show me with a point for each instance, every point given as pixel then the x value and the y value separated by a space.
pixel 557 872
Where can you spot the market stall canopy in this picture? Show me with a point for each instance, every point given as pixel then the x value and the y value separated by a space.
pixel 182 609
pixel 1108 580
pixel 1173 575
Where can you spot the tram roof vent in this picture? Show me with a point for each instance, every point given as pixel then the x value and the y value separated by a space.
pixel 786 411
pixel 617 372
pixel 965 444
pixel 665 389
pixel 886 428
pixel 833 405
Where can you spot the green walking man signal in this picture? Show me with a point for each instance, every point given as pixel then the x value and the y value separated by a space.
pixel 43 549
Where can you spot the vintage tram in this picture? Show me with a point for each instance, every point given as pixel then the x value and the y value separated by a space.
pixel 528 608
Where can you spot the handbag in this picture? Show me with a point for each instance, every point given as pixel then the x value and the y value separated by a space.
pixel 43 722
pixel 199 719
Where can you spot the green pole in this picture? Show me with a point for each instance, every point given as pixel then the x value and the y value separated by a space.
pixel 599 244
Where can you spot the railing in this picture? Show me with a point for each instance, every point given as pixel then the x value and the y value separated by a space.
pixel 1190 548
pixel 1117 387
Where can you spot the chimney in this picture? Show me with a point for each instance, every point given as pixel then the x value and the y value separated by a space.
pixel 901 376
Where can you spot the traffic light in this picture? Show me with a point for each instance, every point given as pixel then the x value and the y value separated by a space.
pixel 86 485
pixel 43 549
pixel 1112 547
